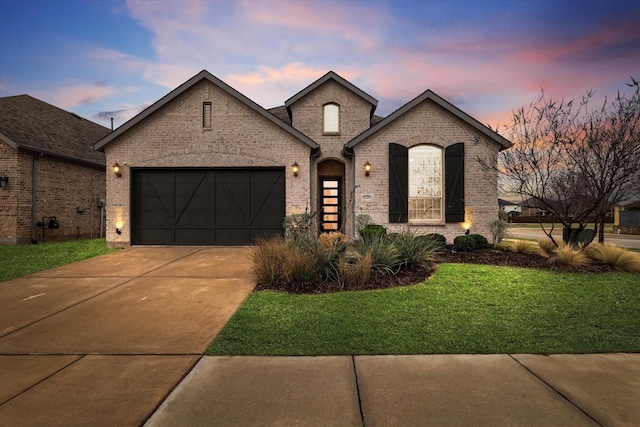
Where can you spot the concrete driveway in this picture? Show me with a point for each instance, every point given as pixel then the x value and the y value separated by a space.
pixel 124 327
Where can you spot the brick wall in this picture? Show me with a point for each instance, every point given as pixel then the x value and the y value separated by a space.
pixel 427 123
pixel 307 117
pixel 62 186
pixel 173 136
pixel 9 195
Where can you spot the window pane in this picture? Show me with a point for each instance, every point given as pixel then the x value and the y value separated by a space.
pixel 425 183
pixel 331 118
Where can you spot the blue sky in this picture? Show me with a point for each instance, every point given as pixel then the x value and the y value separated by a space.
pixel 112 58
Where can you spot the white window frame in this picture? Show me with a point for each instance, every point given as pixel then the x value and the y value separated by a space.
pixel 331 118
pixel 426 184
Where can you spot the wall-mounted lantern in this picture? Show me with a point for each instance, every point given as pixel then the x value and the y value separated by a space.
pixel 367 168
pixel 295 168
pixel 116 170
pixel 4 180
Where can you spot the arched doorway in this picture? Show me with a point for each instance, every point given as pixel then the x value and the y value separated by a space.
pixel 331 195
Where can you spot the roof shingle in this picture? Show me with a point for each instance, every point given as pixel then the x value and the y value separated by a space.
pixel 31 124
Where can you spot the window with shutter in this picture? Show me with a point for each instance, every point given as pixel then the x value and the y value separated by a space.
pixel 454 182
pixel 416 190
pixel 398 183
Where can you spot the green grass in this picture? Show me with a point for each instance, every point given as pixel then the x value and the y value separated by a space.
pixel 464 308
pixel 20 260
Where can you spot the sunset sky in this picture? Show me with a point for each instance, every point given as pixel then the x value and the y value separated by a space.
pixel 112 58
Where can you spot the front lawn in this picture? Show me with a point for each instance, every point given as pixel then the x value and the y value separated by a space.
pixel 20 260
pixel 463 308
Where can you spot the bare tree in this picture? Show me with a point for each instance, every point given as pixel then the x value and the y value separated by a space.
pixel 572 161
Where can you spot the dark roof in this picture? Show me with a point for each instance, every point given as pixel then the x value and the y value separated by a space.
pixel 204 75
pixel 429 95
pixel 34 125
pixel 331 75
pixel 503 202
pixel 281 113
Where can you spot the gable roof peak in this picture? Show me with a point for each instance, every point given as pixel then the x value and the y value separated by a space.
pixel 332 75
pixel 203 75
pixel 432 96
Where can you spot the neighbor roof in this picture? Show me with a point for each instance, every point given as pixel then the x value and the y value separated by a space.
pixel 429 95
pixel 331 75
pixel 30 124
pixel 204 75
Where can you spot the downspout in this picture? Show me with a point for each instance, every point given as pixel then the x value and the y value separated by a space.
pixel 34 191
pixel 315 152
pixel 351 153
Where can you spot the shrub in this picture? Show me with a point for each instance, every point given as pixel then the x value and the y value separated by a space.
pixel 439 239
pixel 413 249
pixel 464 243
pixel 298 226
pixel 527 247
pixel 335 240
pixel 384 255
pixel 547 246
pixel 372 231
pixel 569 255
pixel 481 241
pixel 614 256
pixel 267 259
pixel 354 274
pixel 499 230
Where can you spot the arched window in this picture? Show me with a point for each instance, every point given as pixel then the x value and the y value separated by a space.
pixel 331 118
pixel 425 183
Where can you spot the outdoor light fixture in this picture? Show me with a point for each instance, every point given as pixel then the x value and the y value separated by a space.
pixel 367 168
pixel 295 168
pixel 116 170
pixel 4 180
pixel 118 231
pixel 466 233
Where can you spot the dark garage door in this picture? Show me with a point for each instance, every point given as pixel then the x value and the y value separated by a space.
pixel 206 206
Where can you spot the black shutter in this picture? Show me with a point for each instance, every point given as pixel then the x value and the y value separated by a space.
pixel 454 182
pixel 398 183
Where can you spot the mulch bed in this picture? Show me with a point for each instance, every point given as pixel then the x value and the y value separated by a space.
pixel 409 277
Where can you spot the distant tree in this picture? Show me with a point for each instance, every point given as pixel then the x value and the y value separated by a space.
pixel 572 161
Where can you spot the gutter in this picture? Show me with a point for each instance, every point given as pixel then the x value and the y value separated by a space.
pixel 348 151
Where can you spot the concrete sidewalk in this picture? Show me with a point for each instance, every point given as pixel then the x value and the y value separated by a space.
pixel 439 390
pixel 118 340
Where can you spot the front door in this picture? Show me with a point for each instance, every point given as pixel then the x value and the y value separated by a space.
pixel 330 204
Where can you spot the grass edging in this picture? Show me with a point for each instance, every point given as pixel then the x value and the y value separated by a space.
pixel 462 309
pixel 21 260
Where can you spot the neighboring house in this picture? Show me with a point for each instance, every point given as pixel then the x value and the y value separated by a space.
pixel 49 173
pixel 508 207
pixel 206 165
pixel 627 216
pixel 529 207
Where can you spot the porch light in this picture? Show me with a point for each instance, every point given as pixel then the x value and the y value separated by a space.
pixel 116 170
pixel 295 168
pixel 4 180
pixel 118 231
pixel 367 168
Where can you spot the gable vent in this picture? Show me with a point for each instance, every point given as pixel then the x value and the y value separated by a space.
pixel 206 115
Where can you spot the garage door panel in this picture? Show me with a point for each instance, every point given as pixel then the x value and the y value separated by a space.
pixel 206 206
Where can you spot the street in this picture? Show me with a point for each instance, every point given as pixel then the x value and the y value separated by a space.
pixel 623 240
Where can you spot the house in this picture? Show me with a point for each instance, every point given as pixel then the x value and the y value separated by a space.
pixel 508 207
pixel 50 176
pixel 627 216
pixel 205 165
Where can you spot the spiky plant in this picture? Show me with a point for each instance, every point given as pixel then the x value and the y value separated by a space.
pixel 547 246
pixel 569 255
pixel 614 256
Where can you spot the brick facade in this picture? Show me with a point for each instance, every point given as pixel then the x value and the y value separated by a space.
pixel 174 137
pixel 428 123
pixel 62 186
pixel 171 134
